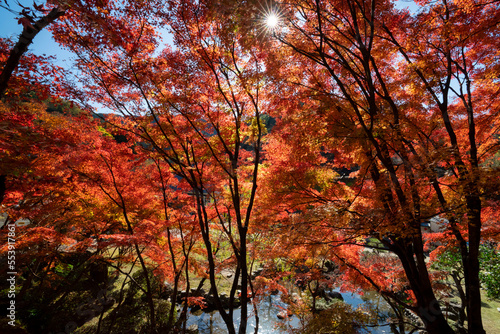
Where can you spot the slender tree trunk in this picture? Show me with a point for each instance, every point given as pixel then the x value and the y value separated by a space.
pixel 149 295
pixel 471 268
pixel 203 221
pixel 114 313
pixel 463 299
pixel 244 281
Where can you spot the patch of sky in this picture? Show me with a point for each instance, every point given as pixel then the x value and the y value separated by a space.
pixel 44 43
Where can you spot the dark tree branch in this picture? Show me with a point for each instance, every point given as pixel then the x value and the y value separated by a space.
pixel 26 38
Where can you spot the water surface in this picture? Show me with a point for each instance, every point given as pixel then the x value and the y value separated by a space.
pixel 268 308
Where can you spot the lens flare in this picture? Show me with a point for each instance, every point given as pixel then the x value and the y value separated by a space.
pixel 272 20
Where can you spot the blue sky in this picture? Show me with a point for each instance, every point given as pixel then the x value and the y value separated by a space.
pixel 42 43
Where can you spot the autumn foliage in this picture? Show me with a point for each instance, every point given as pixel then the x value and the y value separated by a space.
pixel 354 145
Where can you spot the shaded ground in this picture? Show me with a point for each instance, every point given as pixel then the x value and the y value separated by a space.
pixel 490 314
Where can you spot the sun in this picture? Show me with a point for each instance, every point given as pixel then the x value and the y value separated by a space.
pixel 272 20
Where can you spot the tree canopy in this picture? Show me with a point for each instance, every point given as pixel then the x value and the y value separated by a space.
pixel 348 144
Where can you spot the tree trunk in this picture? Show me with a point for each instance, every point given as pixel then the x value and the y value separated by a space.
pixel 432 316
pixel 244 281
pixel 149 294
pixel 471 267
pixel 427 307
pixel 463 299
pixel 202 220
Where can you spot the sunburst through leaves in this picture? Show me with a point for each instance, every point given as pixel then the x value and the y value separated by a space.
pixel 271 19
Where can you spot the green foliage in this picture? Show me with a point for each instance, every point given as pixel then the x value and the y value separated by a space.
pixel 104 132
pixel 489 262
pixel 63 269
pixel 450 261
pixel 374 242
pixel 490 270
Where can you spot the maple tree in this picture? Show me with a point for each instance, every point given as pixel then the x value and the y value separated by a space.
pixel 386 119
pixel 29 81
pixel 402 98
pixel 197 108
pixel 76 186
pixel 86 194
